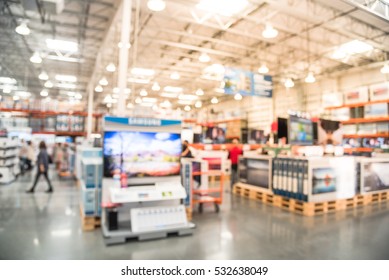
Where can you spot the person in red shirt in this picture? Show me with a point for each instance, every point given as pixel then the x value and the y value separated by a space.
pixel 234 154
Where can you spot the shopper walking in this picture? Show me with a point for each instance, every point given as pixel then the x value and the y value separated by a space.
pixel 234 154
pixel 42 167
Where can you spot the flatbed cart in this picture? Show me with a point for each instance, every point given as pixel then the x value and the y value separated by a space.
pixel 211 194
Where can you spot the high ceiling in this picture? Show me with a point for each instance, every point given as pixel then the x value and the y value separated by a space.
pixel 320 36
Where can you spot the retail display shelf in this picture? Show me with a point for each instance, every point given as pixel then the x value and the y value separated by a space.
pixel 357 104
pixel 62 133
pixel 366 120
pixel 373 135
pixel 360 149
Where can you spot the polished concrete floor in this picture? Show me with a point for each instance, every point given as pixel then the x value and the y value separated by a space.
pixel 47 226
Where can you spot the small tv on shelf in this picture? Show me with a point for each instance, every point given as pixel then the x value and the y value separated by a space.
pixel 282 129
pixel 300 131
pixel 142 154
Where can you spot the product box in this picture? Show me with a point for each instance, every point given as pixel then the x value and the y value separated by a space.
pixel 92 172
pixel 379 91
pixel 90 201
pixel 357 95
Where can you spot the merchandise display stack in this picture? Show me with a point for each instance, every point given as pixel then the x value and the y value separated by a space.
pixel 90 164
pixel 9 160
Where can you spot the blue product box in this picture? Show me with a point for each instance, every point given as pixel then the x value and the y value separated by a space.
pixel 92 172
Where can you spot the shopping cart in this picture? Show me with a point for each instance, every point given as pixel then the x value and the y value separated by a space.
pixel 212 194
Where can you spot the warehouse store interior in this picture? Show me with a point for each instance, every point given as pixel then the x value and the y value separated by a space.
pixel 194 129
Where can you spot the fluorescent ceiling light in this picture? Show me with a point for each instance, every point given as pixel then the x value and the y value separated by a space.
pixel 138 81
pixel 169 94
pixel 156 5
pixel 175 76
pixel 350 48
pixel 24 94
pixel 143 92
pixel 223 7
pixel 99 88
pixel 110 67
pixel 7 80
pixel 71 94
pixel 204 58
pixel 187 97
pixel 66 78
pixel 198 104
pixel 120 45
pixel 43 76
pixel 338 54
pixel 263 69
pixel 23 29
pixel 185 102
pixel 155 87
pixel 219 90
pixel 65 58
pixel 187 108
pixel 103 81
pixel 310 78
pixel 149 99
pixel 214 72
pixel 199 92
pixel 142 72
pixel 289 83
pixel 61 45
pixel 214 100
pixel 36 58
pixel 269 32
pixel 173 89
pixel 238 96
pixel 48 84
pixel 44 93
pixel 7 89
pixel 146 104
pixel 65 85
pixel 385 69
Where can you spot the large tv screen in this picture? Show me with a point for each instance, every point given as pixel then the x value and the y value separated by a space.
pixel 142 154
pixel 215 135
pixel 375 176
pixel 300 131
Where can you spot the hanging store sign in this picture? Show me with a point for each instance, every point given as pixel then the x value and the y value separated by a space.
pixel 247 83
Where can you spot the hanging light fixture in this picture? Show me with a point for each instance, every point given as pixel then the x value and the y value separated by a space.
pixel 310 78
pixel 23 29
pixel 36 58
pixel 99 88
pixel 130 106
pixel 269 32
pixel 103 81
pixel 48 84
pixel 187 108
pixel 44 93
pixel 43 76
pixel 143 92
pixel 263 69
pixel 155 87
pixel 110 67
pixel 204 57
pixel 214 100
pixel 289 83
pixel 385 68
pixel 238 97
pixel 156 5
pixel 199 92
pixel 138 100
pixel 198 104
pixel 175 76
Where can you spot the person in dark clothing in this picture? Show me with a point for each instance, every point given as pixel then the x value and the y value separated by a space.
pixel 43 167
pixel 186 153
pixel 234 154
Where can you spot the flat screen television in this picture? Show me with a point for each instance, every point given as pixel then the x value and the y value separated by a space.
pixel 257 137
pixel 142 154
pixel 215 134
pixel 374 176
pixel 300 131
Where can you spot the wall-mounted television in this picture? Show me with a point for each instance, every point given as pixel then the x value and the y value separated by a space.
pixel 215 135
pixel 300 131
pixel 142 154
pixel 257 136
pixel 282 129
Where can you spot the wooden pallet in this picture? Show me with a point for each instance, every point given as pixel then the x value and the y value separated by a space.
pixel 189 213
pixel 89 223
pixel 308 208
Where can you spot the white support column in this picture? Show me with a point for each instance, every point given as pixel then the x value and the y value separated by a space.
pixel 90 110
pixel 123 55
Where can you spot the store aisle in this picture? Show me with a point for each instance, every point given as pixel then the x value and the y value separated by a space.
pixel 47 226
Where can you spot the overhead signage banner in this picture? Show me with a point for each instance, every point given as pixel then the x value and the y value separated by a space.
pixel 247 83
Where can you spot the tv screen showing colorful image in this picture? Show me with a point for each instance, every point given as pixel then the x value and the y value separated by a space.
pixel 215 135
pixel 142 154
pixel 375 176
pixel 323 180
pixel 300 131
pixel 257 137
